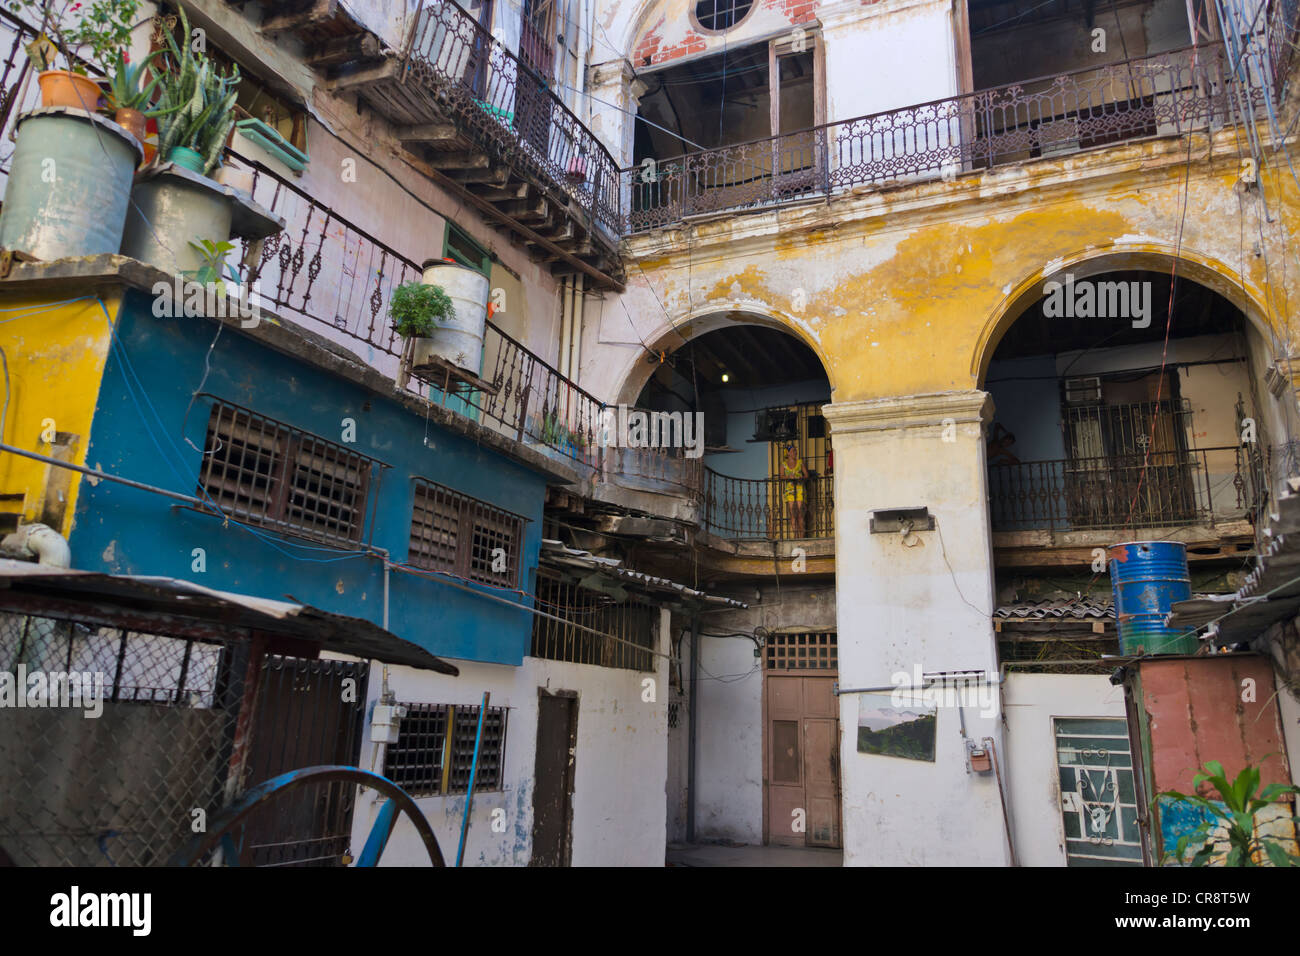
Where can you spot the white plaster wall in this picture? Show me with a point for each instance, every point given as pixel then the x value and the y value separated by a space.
pixel 1031 702
pixel 889 55
pixel 1289 712
pixel 926 606
pixel 729 762
pixel 619 815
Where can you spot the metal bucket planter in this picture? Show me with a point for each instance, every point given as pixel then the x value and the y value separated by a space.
pixel 69 184
pixel 173 206
pixel 459 339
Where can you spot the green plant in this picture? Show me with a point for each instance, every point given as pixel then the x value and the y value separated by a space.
pixel 1233 813
pixel 101 27
pixel 417 308
pixel 197 104
pixel 213 257
pixel 124 86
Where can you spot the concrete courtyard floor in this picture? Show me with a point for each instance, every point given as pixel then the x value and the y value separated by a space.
pixel 710 854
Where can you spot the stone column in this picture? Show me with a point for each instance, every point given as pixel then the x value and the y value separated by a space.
pixel 614 95
pixel 917 602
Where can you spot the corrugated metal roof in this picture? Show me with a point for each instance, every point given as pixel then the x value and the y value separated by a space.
pixel 1272 589
pixel 1076 607
pixel 557 554
pixel 334 632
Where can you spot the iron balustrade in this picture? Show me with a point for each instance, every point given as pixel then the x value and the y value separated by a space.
pixel 769 508
pixel 1172 92
pixel 508 108
pixel 1165 489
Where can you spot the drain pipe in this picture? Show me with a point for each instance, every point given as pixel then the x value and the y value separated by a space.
pixel 693 710
pixel 48 546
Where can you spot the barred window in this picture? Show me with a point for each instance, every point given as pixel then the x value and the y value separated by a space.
pixel 427 761
pixel 457 533
pixel 268 473
pixel 629 628
pixel 802 651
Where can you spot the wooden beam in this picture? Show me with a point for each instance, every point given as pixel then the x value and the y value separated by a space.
pixel 316 14
pixel 446 182
pixel 388 70
pixel 461 161
pixel 429 133
pixel 341 50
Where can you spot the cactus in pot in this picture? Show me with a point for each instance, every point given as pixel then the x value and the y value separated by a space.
pixel 197 107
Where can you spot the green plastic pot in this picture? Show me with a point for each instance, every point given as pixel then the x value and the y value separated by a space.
pixel 187 158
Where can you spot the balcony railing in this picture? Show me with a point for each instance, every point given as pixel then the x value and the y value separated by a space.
pixel 1155 95
pixel 774 509
pixel 509 109
pixel 1166 489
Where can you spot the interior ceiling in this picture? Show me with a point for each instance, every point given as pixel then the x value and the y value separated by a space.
pixel 686 98
pixel 752 356
pixel 989 15
pixel 1197 311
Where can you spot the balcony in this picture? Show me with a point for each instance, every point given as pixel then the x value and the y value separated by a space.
pixel 1176 92
pixel 487 123
pixel 769 509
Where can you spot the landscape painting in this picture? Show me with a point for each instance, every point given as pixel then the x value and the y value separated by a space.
pixel 885 727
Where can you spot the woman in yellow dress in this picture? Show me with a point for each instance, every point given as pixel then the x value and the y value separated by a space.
pixel 793 474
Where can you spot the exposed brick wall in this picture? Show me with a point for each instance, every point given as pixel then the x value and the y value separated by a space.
pixel 651 51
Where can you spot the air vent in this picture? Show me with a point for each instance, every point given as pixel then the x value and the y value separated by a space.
pixel 1082 391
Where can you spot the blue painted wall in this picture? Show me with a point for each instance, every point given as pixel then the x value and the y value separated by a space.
pixel 1027 402
pixel 750 460
pixel 140 432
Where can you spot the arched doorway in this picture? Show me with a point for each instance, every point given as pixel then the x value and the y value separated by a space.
pixel 759 685
pixel 769 460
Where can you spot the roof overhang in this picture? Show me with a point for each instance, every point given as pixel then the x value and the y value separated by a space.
pixel 186 609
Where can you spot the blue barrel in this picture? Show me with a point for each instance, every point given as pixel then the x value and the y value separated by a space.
pixel 1148 578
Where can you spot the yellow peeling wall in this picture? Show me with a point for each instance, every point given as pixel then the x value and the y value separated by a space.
pixel 908 290
pixel 56 356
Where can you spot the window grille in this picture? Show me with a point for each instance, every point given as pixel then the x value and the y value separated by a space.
pixel 802 651
pixel 454 532
pixel 268 473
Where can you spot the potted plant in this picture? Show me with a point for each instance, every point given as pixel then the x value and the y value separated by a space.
pixel 417 310
pixel 197 107
pixel 101 28
pixel 129 100
pixel 174 202
pixel 81 210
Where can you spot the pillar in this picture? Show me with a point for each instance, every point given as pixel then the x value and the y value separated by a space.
pixel 917 602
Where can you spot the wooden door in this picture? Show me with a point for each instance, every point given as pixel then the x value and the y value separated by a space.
pixel 557 744
pixel 801 761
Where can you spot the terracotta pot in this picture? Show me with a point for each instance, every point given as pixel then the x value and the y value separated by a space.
pixel 133 121
pixel 61 88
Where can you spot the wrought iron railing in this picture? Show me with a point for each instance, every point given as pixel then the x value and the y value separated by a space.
pixel 508 108
pixel 1164 489
pixel 334 277
pixel 1169 93
pixel 775 509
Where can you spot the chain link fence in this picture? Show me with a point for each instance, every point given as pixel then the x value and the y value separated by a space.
pixel 116 744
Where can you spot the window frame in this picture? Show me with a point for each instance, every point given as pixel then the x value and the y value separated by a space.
pixel 471 515
pixel 448 757
pixel 484 264
pixel 286 449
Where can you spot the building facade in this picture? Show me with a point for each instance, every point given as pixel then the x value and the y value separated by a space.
pixel 961 293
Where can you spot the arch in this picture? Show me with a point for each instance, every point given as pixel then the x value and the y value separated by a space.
pixel 1149 256
pixel 710 317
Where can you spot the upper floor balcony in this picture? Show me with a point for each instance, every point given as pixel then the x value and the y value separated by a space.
pixel 1037 90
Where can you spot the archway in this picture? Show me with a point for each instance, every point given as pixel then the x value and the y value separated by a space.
pixel 1128 398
